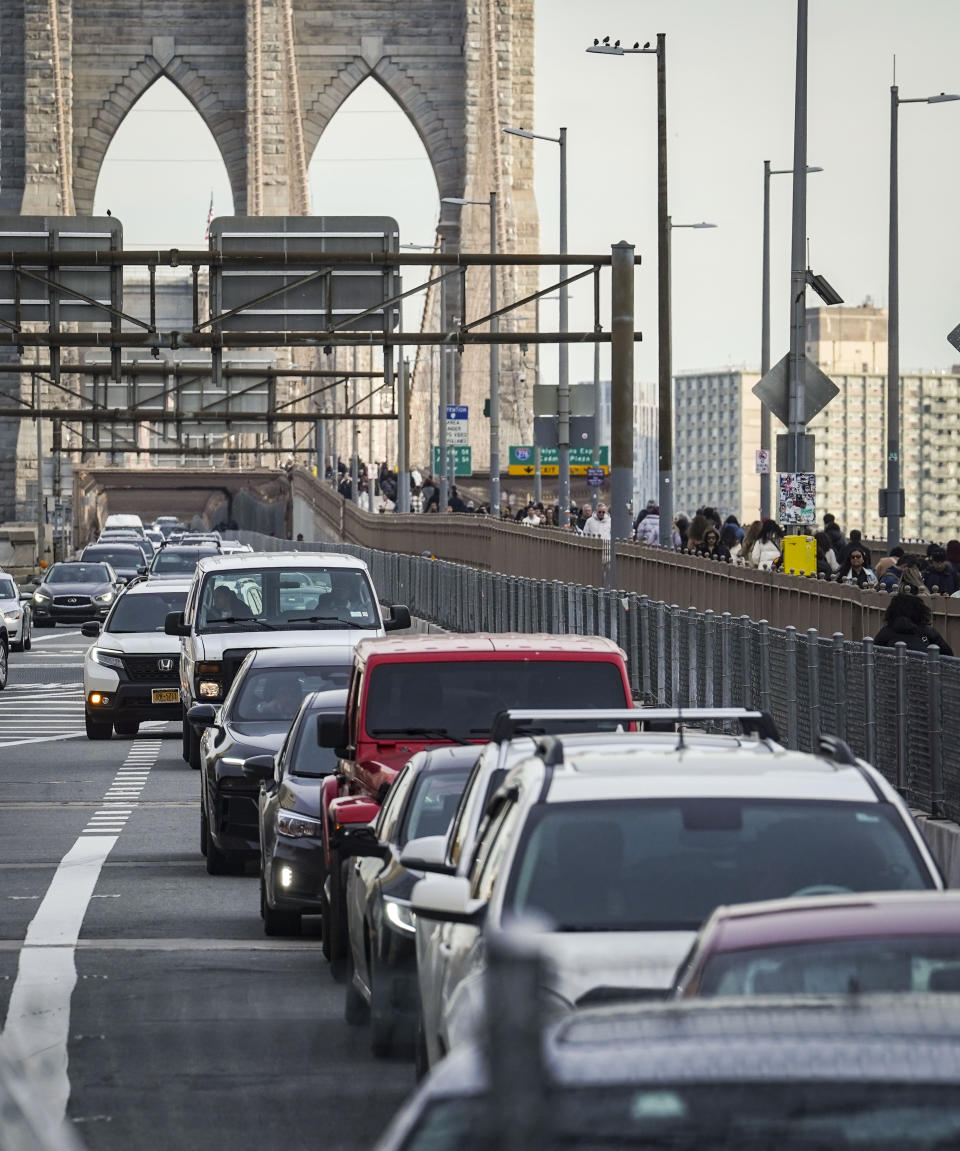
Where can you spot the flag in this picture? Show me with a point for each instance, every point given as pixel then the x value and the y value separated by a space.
pixel 206 234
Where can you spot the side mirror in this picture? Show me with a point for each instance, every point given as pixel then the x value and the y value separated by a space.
pixel 361 840
pixel 332 731
pixel 427 854
pixel 26 593
pixel 90 628
pixel 260 767
pixel 142 569
pixel 201 716
pixel 36 581
pixel 399 618
pixel 447 898
pixel 174 625
pixel 121 580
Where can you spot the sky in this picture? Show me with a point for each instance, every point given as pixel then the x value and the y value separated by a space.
pixel 730 97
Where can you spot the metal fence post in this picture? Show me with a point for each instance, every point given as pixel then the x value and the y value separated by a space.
pixel 746 681
pixel 693 685
pixel 644 645
pixel 870 700
pixel 839 685
pixel 674 655
pixel 813 686
pixel 765 699
pixel 661 652
pixel 709 656
pixel 935 713
pixel 725 660
pixel 900 656
pixel 791 662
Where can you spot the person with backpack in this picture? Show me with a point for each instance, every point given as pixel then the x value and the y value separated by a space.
pixel 908 621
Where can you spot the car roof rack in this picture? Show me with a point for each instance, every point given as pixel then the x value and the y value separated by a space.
pixel 837 749
pixel 521 721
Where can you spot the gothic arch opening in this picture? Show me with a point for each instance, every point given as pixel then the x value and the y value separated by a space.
pixel 160 172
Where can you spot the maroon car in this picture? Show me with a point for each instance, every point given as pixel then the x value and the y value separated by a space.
pixel 827 945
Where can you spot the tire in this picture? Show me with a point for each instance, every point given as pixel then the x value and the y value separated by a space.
pixel 4 664
pixel 97 730
pixel 25 643
pixel 325 921
pixel 218 862
pixel 186 738
pixel 28 638
pixel 277 922
pixel 129 728
pixel 203 833
pixel 339 939
pixel 194 758
pixel 356 1010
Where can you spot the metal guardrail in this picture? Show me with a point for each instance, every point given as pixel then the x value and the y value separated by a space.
pixel 890 705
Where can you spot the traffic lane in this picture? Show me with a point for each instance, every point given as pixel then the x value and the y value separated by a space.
pixel 56 656
pixel 222 1050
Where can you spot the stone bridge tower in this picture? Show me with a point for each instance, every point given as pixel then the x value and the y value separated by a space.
pixel 267 76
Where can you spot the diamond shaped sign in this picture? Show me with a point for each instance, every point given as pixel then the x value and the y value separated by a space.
pixel 774 390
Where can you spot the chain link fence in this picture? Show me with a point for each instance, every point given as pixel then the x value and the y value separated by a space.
pixel 887 703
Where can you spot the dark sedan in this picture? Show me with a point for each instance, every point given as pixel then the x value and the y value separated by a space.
pixel 292 862
pixel 127 560
pixel 254 719
pixel 383 980
pixel 75 592
pixel 176 561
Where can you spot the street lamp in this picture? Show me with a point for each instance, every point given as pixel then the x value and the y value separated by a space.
pixel 664 383
pixel 494 352
pixel 766 431
pixel 563 390
pixel 893 497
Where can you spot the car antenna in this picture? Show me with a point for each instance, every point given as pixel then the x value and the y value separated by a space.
pixel 681 746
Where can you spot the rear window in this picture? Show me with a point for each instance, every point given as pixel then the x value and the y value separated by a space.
pixel 463 696
pixel 126 557
pixel 171 562
pixel 276 693
pixel 664 865
pixel 433 804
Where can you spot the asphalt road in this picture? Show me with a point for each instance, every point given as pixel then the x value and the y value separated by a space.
pixel 148 1000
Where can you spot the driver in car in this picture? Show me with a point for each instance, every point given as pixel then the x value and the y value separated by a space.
pixel 228 605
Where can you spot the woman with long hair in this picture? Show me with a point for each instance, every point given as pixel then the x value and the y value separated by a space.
pixel 766 551
pixel 908 621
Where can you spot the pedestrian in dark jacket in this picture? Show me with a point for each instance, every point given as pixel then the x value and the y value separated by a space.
pixel 908 621
pixel 939 575
pixel 711 547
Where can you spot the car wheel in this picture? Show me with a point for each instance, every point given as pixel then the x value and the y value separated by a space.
pixel 4 664
pixel 339 939
pixel 129 728
pixel 325 922
pixel 356 1011
pixel 194 759
pixel 203 832
pixel 28 638
pixel 97 730
pixel 186 738
pixel 218 862
pixel 280 922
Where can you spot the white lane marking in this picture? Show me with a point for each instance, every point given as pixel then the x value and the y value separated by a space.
pixel 38 1015
pixel 41 739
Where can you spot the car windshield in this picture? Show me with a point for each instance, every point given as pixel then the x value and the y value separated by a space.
pixel 306 757
pixel 287 598
pixel 7 589
pixel 144 612
pixel 837 967
pixel 78 573
pixel 177 562
pixel 433 804
pixel 797 1115
pixel 119 558
pixel 463 696
pixel 275 693
pixel 664 865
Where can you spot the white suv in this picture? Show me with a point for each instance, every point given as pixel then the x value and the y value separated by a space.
pixel 617 853
pixel 281 599
pixel 15 614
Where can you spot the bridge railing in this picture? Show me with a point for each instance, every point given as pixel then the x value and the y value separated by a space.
pixel 542 553
pixel 892 706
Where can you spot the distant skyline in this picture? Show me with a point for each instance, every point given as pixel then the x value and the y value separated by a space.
pixel 730 77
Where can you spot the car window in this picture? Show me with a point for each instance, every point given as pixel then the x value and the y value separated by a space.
pixel 492 847
pixel 145 612
pixel 124 557
pixel 276 693
pixel 288 598
pixel 432 805
pixel 390 813
pixel 7 589
pixel 666 864
pixel 837 967
pixel 304 756
pixel 79 573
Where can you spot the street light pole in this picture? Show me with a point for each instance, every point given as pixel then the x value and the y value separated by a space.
pixel 665 384
pixel 494 371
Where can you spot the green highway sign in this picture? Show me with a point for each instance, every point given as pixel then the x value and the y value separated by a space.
pixel 520 460
pixel 462 459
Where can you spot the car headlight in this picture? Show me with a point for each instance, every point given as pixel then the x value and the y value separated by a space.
pixel 12 616
pixel 232 761
pixel 299 826
pixel 104 597
pixel 208 689
pixel 41 597
pixel 106 658
pixel 400 915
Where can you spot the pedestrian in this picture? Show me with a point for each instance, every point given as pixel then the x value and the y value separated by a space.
pixel 855 570
pixel 766 551
pixel 884 563
pixel 953 553
pixel 939 575
pixel 598 524
pixel 696 531
pixel 831 564
pixel 856 541
pixel 908 621
pixel 911 578
pixel 837 538
pixel 744 553
pixel 732 521
pixel 711 547
pixel 648 529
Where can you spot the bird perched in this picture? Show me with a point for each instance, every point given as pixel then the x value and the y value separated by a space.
pixel 647 45
pixel 606 39
pixel 636 45
pixel 616 44
pixel 595 42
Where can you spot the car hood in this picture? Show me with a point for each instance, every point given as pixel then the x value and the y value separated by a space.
pixel 301 795
pixel 271 735
pixel 215 643
pixel 140 642
pixel 58 589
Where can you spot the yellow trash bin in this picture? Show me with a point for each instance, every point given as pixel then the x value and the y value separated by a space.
pixel 799 555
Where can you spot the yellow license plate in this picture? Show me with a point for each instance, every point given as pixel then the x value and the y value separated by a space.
pixel 165 695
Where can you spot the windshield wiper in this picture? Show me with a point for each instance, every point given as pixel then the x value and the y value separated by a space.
pixel 426 732
pixel 261 623
pixel 329 619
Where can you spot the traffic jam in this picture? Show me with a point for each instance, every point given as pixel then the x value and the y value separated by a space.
pixel 584 921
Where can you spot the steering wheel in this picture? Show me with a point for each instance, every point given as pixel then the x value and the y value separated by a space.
pixel 820 889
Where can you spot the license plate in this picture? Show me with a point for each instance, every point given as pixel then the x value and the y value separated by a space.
pixel 165 695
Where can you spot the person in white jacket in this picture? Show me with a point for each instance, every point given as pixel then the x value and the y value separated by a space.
pixel 598 524
pixel 766 551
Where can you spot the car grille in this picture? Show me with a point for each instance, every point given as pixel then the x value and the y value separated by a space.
pixel 143 667
pixel 71 601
